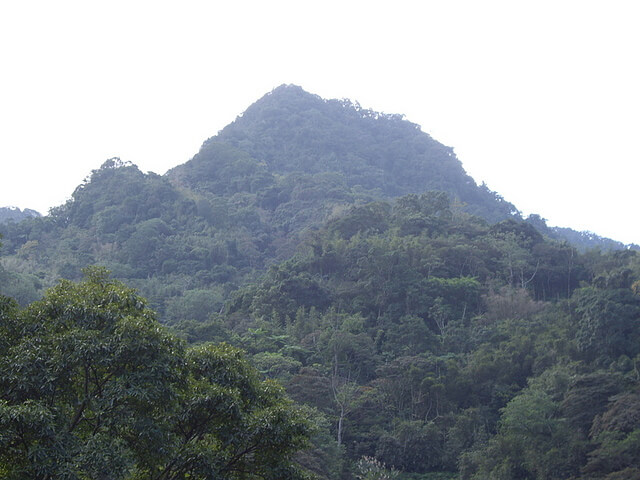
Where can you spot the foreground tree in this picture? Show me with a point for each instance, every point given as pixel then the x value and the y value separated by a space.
pixel 91 386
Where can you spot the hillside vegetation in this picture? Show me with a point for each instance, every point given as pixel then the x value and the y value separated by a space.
pixel 431 332
pixel 245 200
pixel 437 343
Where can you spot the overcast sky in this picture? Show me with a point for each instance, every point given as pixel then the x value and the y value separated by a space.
pixel 539 99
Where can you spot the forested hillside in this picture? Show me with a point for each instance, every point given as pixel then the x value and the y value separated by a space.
pixel 190 237
pixel 441 345
pixel 287 164
pixel 430 330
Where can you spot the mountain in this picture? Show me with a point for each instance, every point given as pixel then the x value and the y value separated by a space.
pixel 246 200
pixel 428 327
pixel 290 132
pixel 14 214
pixel 303 155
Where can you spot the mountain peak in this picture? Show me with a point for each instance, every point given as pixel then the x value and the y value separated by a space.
pixel 289 88
pixel 292 131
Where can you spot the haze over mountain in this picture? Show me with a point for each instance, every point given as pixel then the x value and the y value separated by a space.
pixel 14 214
pixel 292 132
pixel 371 150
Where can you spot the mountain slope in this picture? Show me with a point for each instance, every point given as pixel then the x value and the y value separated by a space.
pixel 290 131
pixel 288 164
pixel 449 348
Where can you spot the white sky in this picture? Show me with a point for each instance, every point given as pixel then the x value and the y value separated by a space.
pixel 539 99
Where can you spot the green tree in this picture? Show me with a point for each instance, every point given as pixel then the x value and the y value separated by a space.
pixel 531 443
pixel 607 323
pixel 93 387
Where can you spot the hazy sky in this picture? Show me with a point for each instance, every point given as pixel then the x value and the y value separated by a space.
pixel 539 99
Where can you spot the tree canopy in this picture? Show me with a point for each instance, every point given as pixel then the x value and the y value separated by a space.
pixel 93 387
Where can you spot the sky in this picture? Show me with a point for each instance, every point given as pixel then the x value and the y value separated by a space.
pixel 540 100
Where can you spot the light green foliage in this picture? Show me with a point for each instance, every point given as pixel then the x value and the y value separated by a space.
pixel 531 442
pixel 276 365
pixel 370 468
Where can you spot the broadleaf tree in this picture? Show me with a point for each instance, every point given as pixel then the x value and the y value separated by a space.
pixel 93 387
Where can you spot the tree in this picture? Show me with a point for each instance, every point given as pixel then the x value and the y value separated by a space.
pixel 608 323
pixel 93 387
pixel 617 433
pixel 532 443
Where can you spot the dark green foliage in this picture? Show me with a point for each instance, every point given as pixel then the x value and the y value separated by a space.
pixel 427 369
pixel 608 323
pixel 22 287
pixel 412 446
pixel 361 219
pixel 617 436
pixel 93 387
pixel 587 396
pixel 223 170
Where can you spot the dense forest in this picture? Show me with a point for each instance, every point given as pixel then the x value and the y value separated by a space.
pixel 422 326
